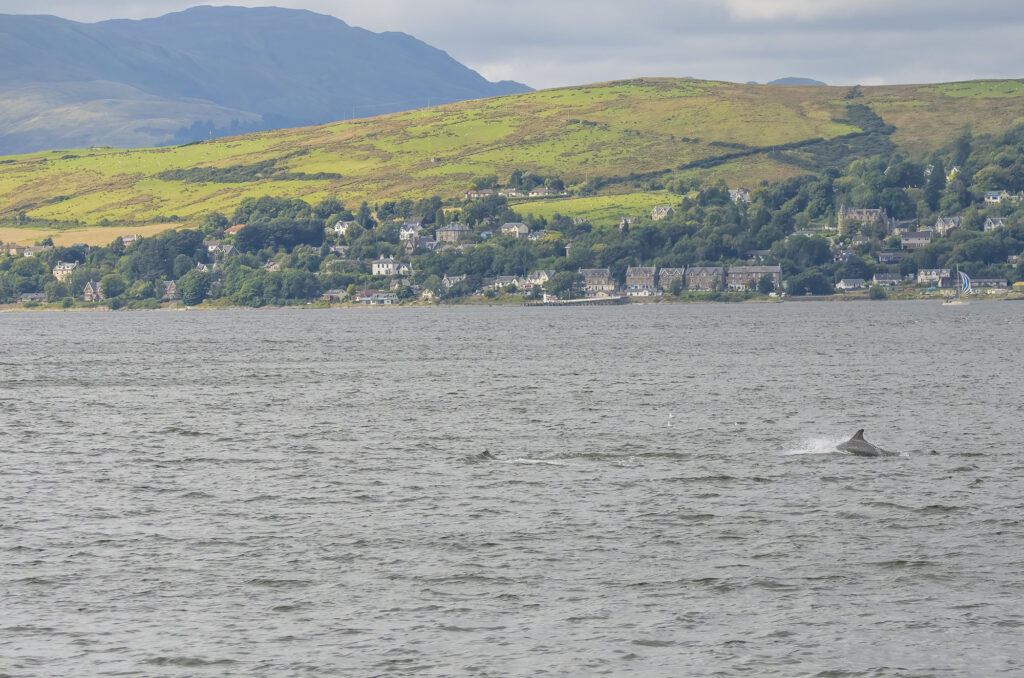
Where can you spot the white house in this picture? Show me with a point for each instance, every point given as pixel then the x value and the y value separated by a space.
pixel 385 266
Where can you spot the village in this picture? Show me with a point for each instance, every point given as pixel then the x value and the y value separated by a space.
pixel 392 278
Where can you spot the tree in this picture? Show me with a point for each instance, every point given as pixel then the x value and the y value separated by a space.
pixel 182 265
pixel 676 287
pixel 561 283
pixel 112 285
pixel 193 287
pixel 876 292
pixel 935 185
pixel 765 285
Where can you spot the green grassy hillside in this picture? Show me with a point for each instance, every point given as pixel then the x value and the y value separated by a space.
pixel 617 137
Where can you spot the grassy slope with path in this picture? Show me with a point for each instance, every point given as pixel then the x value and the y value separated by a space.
pixel 608 130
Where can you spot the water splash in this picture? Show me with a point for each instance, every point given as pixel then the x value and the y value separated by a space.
pixel 814 446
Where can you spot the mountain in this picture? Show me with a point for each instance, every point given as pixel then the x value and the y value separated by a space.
pixel 805 82
pixel 626 138
pixel 210 71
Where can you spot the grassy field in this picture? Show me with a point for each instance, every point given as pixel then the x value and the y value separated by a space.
pixel 600 210
pixel 607 130
pixel 96 235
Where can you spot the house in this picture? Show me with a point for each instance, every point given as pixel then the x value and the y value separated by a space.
pixel 334 295
pixel 851 284
pixel 226 250
pixel 662 212
pixel 849 217
pixel 234 229
pixel 63 270
pixel 92 291
pixel 129 239
pixel 482 193
pixel 420 243
pixel 36 249
pixel 383 299
pixel 916 240
pixel 901 226
pixel 385 266
pixel 272 266
pixel 891 257
pixel 33 297
pixel 341 227
pixel 454 233
pixel 705 278
pixel 625 222
pixel 503 281
pixel 212 246
pixel 944 225
pixel 16 250
pixel 1013 258
pixel 739 195
pixel 516 229
pixel 667 276
pixel 859 240
pixel 205 268
pixel 535 236
pixel 540 192
pixel 748 277
pixel 167 289
pixel 992 224
pixel 409 231
pixel 843 255
pixel 757 255
pixel 510 193
pixel 999 283
pixel 597 281
pixel 887 279
pixel 640 281
pixel 340 250
pixel 537 278
pixel 416 221
pixel 934 276
pixel 996 197
pixel 451 281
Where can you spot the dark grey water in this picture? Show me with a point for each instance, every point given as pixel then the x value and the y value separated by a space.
pixel 643 490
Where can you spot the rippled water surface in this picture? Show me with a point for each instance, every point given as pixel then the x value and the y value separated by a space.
pixel 642 490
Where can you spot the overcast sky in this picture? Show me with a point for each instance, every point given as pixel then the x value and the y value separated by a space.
pixel 549 43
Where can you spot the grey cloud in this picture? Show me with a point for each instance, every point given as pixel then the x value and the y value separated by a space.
pixel 549 44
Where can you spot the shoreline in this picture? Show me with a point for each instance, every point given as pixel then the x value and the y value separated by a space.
pixel 518 302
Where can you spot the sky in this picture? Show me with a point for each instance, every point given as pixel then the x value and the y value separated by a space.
pixel 551 43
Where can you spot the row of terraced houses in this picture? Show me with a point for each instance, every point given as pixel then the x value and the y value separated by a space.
pixel 650 281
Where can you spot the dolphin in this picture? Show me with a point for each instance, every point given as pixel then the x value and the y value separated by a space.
pixel 862 448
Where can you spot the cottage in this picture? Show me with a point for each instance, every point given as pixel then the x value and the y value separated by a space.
pixel 167 289
pixel 540 192
pixel 537 278
pixel 64 269
pixel 887 279
pixel 129 239
pixel 16 250
pixel 705 278
pixel 510 193
pixel 626 222
pixel 515 229
pixel 998 283
pixel 934 276
pixel 851 284
pixel 662 212
pixel 454 233
pixel 503 281
pixel 667 276
pixel 757 255
pixel 272 266
pixel 748 277
pixel 992 224
pixel 996 197
pixel 597 281
pixel 37 249
pixel 420 243
pixel 92 291
pixel 205 268
pixel 32 297
pixel 943 225
pixel 917 240
pixel 901 226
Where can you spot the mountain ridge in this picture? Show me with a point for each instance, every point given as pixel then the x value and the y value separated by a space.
pixel 263 67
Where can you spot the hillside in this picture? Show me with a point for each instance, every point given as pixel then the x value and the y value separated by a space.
pixel 209 71
pixel 609 138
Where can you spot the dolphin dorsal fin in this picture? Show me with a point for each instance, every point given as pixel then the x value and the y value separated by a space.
pixel 859 435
